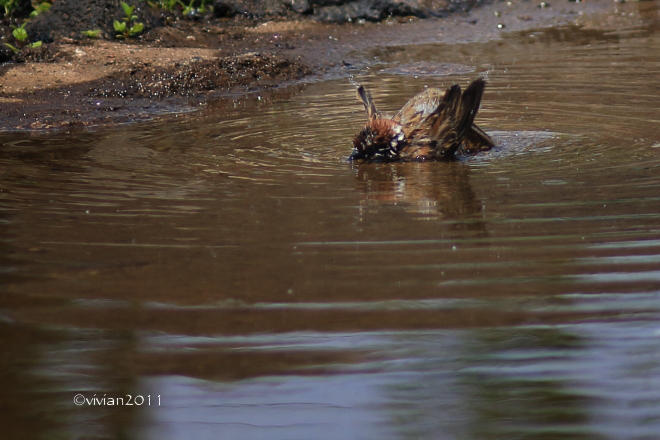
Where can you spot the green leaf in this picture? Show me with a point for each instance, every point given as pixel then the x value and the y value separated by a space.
pixel 128 10
pixel 21 26
pixel 35 44
pixel 92 34
pixel 20 34
pixel 136 28
pixel 9 6
pixel 42 7
pixel 119 26
pixel 13 48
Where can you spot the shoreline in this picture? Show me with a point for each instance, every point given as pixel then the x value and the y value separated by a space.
pixel 93 83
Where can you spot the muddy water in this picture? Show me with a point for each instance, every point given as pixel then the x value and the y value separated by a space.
pixel 234 270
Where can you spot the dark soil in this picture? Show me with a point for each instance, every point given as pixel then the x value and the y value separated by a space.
pixel 201 76
pixel 46 53
pixel 339 11
pixel 69 18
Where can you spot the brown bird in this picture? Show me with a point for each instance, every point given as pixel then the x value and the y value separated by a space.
pixel 432 125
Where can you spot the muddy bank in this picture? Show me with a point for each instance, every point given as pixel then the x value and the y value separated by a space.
pixel 145 91
pixel 197 77
pixel 78 82
pixel 86 82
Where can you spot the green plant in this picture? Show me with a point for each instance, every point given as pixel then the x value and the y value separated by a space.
pixel 202 8
pixel 128 27
pixel 13 48
pixel 188 9
pixel 128 12
pixel 171 5
pixel 125 31
pixel 92 33
pixel 19 32
pixel 168 5
pixel 21 37
pixel 191 8
pixel 9 6
pixel 39 7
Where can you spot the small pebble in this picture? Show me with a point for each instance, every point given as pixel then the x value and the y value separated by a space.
pixel 500 25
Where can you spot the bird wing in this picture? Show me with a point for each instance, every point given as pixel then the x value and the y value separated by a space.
pixel 419 107
pixel 476 140
pixel 369 105
pixel 473 138
pixel 439 129
pixel 452 124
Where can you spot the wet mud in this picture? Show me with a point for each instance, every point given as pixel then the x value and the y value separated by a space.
pixel 201 76
pixel 58 85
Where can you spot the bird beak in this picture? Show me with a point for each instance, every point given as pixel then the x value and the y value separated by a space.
pixel 355 155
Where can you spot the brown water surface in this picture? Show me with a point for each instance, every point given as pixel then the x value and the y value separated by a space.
pixel 234 265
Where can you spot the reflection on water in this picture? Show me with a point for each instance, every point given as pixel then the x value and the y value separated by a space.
pixel 436 190
pixel 236 265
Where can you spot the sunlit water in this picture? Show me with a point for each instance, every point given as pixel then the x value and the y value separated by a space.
pixel 235 268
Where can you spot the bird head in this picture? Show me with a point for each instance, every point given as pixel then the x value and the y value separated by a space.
pixel 380 139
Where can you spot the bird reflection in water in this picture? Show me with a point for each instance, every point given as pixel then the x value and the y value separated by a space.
pixel 433 190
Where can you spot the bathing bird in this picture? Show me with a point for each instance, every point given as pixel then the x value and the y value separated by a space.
pixel 433 125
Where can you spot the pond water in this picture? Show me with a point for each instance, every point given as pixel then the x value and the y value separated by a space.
pixel 237 272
